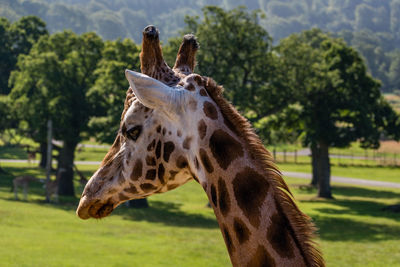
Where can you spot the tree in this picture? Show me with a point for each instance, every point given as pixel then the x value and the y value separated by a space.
pixel 236 52
pixel 57 74
pixel 15 39
pixel 340 102
pixel 5 118
pixel 7 60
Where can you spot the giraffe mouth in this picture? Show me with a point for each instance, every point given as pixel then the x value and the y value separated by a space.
pixel 93 208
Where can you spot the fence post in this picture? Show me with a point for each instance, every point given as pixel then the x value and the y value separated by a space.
pixel 274 153
pixel 49 159
pixel 284 155
pixel 295 156
pixel 366 156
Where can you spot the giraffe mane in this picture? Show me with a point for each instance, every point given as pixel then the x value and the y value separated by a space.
pixel 130 97
pixel 301 224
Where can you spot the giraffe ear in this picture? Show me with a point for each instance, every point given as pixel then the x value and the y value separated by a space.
pixel 150 92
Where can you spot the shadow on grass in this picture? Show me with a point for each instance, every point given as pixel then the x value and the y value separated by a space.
pixel 360 208
pixel 167 213
pixel 344 229
pixel 351 191
pixel 357 207
pixel 13 152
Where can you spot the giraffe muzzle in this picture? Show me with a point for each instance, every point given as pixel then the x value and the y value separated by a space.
pixel 93 208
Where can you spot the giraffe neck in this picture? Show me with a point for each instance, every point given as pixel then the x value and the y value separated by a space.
pixel 255 227
pixel 261 224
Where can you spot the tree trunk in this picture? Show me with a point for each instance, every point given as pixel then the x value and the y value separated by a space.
pixel 138 203
pixel 43 155
pixel 323 171
pixel 314 152
pixel 65 173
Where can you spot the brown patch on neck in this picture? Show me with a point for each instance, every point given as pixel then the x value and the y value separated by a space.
pixel 241 230
pixel 250 189
pixel 262 258
pixel 278 235
pixel 224 201
pixel 137 170
pixel 202 128
pixel 210 110
pixel 224 148
pixel 228 240
pixel 206 161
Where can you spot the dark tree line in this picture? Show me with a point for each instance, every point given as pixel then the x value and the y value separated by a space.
pixel 372 27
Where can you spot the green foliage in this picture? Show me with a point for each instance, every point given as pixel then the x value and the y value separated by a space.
pixel 340 102
pixel 5 115
pixel 17 39
pixel 108 93
pixel 52 82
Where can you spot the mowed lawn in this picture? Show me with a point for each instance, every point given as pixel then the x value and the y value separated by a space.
pixel 179 230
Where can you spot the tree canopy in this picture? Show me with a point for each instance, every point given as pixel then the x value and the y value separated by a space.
pixel 15 39
pixel 377 21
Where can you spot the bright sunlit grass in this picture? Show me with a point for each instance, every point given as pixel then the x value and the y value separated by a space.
pixel 179 230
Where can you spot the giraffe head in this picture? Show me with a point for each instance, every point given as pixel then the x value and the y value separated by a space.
pixel 176 126
pixel 159 129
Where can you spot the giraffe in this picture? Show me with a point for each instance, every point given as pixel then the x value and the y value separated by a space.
pixel 177 126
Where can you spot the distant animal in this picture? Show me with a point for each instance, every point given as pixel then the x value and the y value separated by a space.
pixel 52 189
pixel 23 182
pixel 31 156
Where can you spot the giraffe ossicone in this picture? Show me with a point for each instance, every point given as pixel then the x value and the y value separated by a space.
pixel 176 126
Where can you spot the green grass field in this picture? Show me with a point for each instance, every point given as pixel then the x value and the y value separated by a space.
pixel 179 230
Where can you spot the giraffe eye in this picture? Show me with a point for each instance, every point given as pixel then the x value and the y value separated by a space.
pixel 134 132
